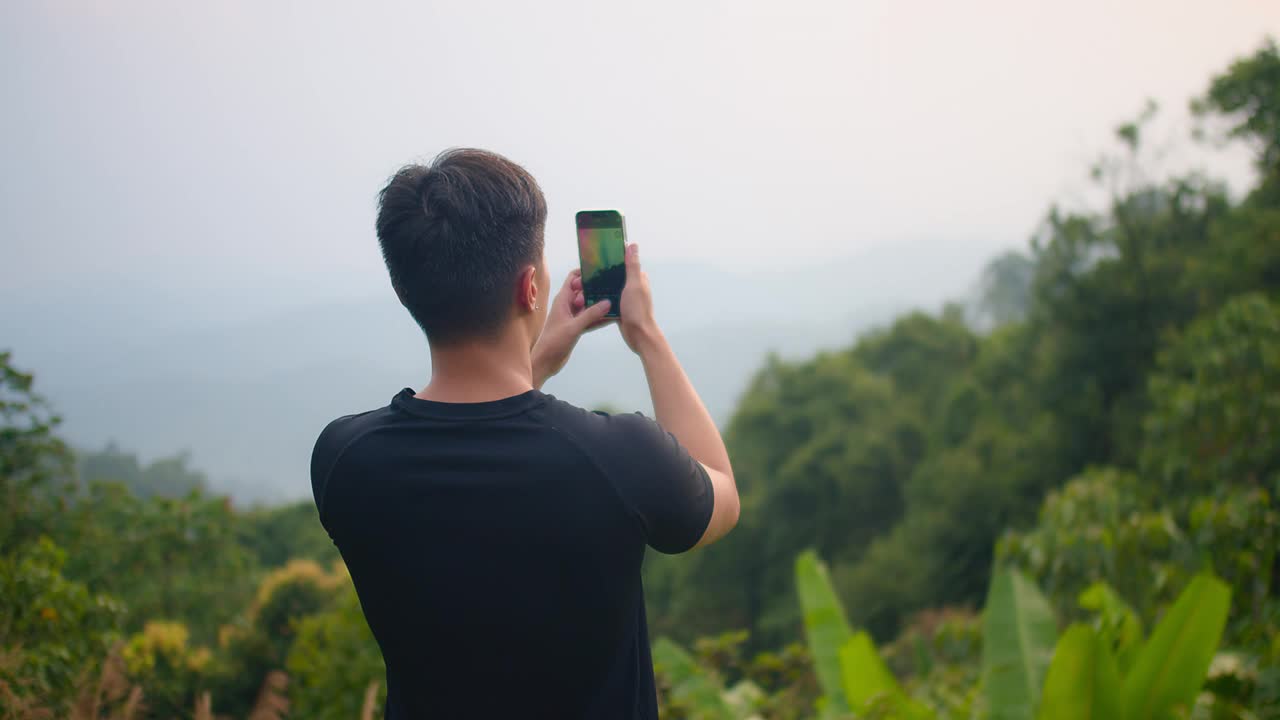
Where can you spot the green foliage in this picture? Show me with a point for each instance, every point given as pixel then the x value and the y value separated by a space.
pixel 1170 668
pixel 1098 528
pixel 333 661
pixel 168 477
pixel 835 440
pixel 259 641
pixel 163 557
pixel 691 691
pixel 1237 534
pixel 1005 289
pixel 1247 254
pixel 1027 671
pixel 774 685
pixel 59 628
pixel 1115 623
pixel 34 462
pixel 296 590
pixel 786 680
pixel 1017 645
pixel 277 535
pixel 1082 682
pixel 1210 458
pixel 1150 555
pixel 869 687
pixel 1248 95
pixel 1216 397
pixel 1109 287
pixel 904 458
pixel 938 656
pixel 920 354
pixel 161 659
pixel 850 670
pixel 825 627
pixel 864 676
pixel 1164 681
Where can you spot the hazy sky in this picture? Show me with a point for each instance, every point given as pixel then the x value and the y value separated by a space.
pixel 233 146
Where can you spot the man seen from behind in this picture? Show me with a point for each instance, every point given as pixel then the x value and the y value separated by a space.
pixel 494 533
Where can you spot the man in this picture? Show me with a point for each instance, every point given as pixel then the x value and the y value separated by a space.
pixel 494 533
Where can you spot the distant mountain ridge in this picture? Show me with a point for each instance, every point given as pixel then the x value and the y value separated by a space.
pixel 248 398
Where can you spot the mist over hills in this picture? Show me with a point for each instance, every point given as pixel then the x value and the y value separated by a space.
pixel 246 392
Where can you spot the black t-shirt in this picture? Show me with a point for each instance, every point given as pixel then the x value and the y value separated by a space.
pixel 496 550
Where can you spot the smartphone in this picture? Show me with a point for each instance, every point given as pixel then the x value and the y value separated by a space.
pixel 602 253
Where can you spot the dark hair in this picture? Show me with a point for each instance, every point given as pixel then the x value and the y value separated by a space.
pixel 455 235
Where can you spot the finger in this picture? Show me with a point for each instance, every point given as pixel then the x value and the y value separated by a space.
pixel 593 314
pixel 577 303
pixel 575 283
pixel 633 262
pixel 568 279
pixel 600 323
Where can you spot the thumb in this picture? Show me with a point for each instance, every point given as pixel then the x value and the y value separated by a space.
pixel 633 262
pixel 592 314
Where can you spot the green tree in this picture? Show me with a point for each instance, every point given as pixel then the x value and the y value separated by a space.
pixel 321 687
pixel 1247 95
pixel 828 444
pixel 1210 448
pixel 1216 403
pixel 275 535
pixel 161 659
pixel 1004 289
pixel 34 463
pixel 165 558
pixel 1102 527
pixel 167 477
pixel 260 640
pixel 59 629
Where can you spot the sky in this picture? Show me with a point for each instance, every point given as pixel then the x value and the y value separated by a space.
pixel 233 149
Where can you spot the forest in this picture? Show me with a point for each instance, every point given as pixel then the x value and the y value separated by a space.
pixel 1056 500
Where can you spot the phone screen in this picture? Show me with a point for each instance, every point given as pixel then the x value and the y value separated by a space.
pixel 602 252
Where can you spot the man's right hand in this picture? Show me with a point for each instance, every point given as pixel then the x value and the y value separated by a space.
pixel 636 322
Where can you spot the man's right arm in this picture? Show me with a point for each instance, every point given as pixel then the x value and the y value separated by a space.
pixel 676 404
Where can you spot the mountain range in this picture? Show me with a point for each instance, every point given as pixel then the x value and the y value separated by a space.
pixel 246 396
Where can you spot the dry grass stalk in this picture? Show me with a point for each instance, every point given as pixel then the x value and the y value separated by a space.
pixel 132 704
pixel 272 703
pixel 370 700
pixel 204 707
pixel 12 705
pixel 16 707
pixel 112 687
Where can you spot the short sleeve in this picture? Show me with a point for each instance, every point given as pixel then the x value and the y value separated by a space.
pixel 336 437
pixel 665 486
pixel 323 457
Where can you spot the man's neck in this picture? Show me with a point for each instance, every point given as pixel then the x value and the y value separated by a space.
pixel 480 371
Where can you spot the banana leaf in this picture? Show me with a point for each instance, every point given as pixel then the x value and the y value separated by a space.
pixel 1017 644
pixel 869 685
pixel 1083 682
pixel 1171 666
pixel 826 629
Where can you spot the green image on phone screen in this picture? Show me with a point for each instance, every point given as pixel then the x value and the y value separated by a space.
pixel 602 251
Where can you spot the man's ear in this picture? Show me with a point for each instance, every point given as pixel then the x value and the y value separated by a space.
pixel 528 294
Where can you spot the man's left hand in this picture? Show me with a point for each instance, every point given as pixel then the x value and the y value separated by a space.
pixel 567 319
